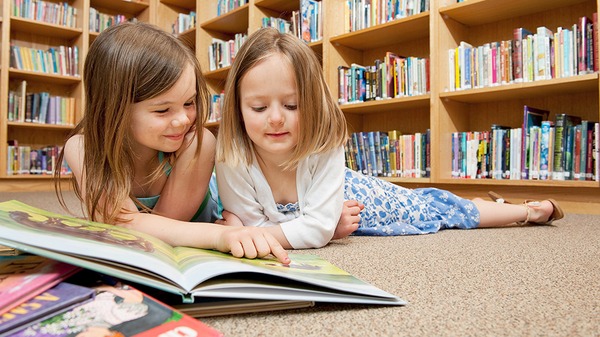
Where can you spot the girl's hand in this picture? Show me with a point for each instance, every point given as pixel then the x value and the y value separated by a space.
pixel 250 242
pixel 349 219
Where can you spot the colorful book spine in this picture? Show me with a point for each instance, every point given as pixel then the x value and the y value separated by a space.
pixel 596 168
pixel 545 150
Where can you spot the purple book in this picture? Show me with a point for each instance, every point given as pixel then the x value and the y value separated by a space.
pixel 53 301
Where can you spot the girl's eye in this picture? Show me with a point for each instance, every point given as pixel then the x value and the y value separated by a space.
pixel 190 103
pixel 259 108
pixel 291 106
pixel 162 110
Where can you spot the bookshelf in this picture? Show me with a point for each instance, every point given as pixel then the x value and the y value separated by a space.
pixel 479 22
pixel 429 34
pixel 131 10
pixel 25 32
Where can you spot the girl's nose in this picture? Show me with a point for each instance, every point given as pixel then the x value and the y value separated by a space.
pixel 180 119
pixel 275 117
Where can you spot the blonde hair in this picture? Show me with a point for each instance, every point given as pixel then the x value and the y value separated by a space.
pixel 322 125
pixel 126 64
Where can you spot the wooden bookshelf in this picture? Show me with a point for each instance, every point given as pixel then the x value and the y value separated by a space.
pixel 429 34
pixel 25 32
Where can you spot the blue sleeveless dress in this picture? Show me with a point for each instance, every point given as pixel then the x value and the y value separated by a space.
pixel 210 210
pixel 395 210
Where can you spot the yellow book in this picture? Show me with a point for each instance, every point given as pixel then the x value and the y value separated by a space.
pixel 393 136
pixel 456 69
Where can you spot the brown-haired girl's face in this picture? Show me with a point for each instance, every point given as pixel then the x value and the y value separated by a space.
pixel 269 105
pixel 161 123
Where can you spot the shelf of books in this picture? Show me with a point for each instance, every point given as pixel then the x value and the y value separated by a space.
pixel 499 63
pixel 225 26
pixel 445 83
pixel 179 18
pixel 378 68
pixel 43 47
pixel 500 67
pixel 42 84
pixel 106 13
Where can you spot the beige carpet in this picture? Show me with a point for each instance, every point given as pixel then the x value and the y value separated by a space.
pixel 531 281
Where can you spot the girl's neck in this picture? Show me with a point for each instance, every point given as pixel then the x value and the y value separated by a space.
pixel 145 164
pixel 282 182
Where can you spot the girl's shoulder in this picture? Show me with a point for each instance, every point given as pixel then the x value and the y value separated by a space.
pixel 75 143
pixel 326 156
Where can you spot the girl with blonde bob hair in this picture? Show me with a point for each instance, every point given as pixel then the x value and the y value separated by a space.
pixel 281 166
pixel 140 156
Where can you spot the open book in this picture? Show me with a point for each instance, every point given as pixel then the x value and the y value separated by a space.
pixel 191 272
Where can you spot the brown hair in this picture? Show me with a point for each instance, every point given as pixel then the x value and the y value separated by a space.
pixel 126 64
pixel 322 123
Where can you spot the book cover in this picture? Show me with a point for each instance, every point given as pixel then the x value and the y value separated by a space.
pixel 51 302
pixel 223 306
pixel 22 277
pixel 589 163
pixel 141 258
pixel 215 306
pixel 305 21
pixel 562 151
pixel 585 153
pixel 545 146
pixel 596 152
pixel 596 50
pixel 531 117
pixel 119 310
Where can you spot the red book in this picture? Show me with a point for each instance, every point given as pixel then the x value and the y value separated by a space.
pixel 517 52
pixel 595 40
pixel 23 277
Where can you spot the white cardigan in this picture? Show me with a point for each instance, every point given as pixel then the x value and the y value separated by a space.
pixel 244 191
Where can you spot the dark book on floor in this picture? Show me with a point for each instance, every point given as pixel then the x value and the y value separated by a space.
pixel 141 258
pixel 51 302
pixel 216 306
pixel 118 310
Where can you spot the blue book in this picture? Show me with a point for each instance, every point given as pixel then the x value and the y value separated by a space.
pixel 53 301
pixel 531 117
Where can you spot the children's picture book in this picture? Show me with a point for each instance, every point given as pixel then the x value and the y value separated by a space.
pixel 51 302
pixel 191 272
pixel 118 310
pixel 23 277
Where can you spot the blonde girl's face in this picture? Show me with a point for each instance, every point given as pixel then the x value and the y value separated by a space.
pixel 269 104
pixel 161 123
